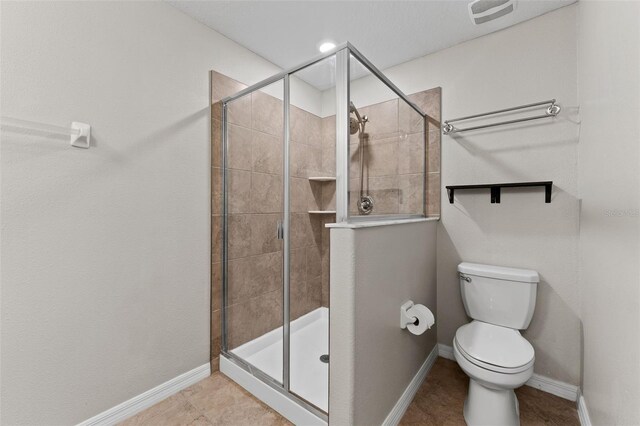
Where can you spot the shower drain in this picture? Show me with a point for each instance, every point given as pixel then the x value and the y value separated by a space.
pixel 324 358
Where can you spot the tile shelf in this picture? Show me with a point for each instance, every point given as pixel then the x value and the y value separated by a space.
pixel 322 178
pixel 322 212
pixel 496 187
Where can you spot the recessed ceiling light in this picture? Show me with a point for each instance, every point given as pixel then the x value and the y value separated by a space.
pixel 326 46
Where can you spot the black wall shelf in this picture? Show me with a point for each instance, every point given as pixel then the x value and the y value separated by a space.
pixel 496 187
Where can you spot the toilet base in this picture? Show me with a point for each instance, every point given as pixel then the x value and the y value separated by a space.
pixel 490 407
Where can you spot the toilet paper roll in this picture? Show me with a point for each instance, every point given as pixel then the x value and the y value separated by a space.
pixel 425 319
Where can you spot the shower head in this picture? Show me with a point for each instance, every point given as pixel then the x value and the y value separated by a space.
pixel 354 125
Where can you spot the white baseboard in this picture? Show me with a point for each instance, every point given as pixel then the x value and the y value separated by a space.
pixel 151 397
pixel 545 384
pixel 401 406
pixel 583 413
pixel 554 387
pixel 445 351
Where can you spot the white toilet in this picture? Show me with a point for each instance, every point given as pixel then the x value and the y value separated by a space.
pixel 490 349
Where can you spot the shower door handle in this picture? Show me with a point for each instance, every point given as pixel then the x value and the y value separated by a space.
pixel 280 231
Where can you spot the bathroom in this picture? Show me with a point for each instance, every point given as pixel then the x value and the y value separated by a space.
pixel 167 274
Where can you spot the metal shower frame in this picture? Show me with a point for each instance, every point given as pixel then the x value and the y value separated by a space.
pixel 342 54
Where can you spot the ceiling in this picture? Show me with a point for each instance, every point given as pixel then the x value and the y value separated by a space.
pixel 387 32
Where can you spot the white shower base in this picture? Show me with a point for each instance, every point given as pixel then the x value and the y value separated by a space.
pixel 309 337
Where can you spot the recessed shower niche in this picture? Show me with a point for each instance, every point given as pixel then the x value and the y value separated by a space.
pixel 332 140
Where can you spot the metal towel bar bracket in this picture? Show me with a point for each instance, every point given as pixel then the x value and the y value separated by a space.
pixel 552 110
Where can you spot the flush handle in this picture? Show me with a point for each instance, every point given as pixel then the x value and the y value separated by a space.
pixel 465 278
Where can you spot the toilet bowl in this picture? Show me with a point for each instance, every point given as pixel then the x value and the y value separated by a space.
pixel 490 349
pixel 497 360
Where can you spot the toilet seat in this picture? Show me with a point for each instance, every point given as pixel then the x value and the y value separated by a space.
pixel 494 348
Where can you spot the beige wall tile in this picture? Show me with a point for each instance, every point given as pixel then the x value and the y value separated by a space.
pixel 301 234
pixel 314 195
pixel 216 238
pixel 383 119
pixel 328 126
pixel 266 114
pixel 266 193
pixel 239 195
pixel 329 159
pixel 266 272
pixel 411 154
pixel 381 157
pixel 429 102
pixel 433 153
pixel 299 126
pixel 239 147
pixel 411 194
pixel 299 194
pixel 314 290
pixel 239 112
pixel 216 143
pixel 433 194
pixel 239 233
pixel 266 153
pixel 239 284
pixel 409 120
pixel 264 314
pixel 223 86
pixel 315 131
pixel 216 286
pixel 314 261
pixel 329 196
pixel 298 264
pixel 216 190
pixel 215 364
pixel 306 160
pixel 264 233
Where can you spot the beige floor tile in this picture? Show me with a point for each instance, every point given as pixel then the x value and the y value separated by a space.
pixel 217 400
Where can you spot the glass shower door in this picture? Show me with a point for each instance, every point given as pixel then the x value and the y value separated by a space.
pixel 254 213
pixel 312 177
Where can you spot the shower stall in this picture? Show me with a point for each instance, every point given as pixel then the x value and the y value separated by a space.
pixel 329 141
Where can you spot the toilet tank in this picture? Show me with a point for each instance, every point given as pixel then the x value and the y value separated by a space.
pixel 498 295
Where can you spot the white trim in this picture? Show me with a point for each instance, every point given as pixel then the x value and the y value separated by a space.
pixel 583 413
pixel 537 381
pixel 151 397
pixel 401 406
pixel 446 351
pixel 289 409
pixel 554 387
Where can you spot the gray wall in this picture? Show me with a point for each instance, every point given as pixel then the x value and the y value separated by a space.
pixel 373 271
pixel 609 86
pixel 105 252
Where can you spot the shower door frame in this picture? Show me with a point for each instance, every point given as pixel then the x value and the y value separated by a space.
pixel 342 54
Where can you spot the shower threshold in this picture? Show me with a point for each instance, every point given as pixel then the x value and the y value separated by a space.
pixel 309 376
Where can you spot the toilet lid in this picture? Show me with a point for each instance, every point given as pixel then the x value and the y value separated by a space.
pixel 494 345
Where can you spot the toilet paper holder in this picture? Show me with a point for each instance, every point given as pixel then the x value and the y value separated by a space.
pixel 406 319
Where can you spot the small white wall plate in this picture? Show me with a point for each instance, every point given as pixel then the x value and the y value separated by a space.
pixel 83 140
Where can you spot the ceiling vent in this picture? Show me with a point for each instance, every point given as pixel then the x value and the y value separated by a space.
pixel 482 11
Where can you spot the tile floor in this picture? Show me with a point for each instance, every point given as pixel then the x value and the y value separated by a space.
pixel 219 401
pixel 440 399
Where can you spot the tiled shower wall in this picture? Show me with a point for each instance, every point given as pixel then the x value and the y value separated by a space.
pixel 394 156
pixel 255 172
